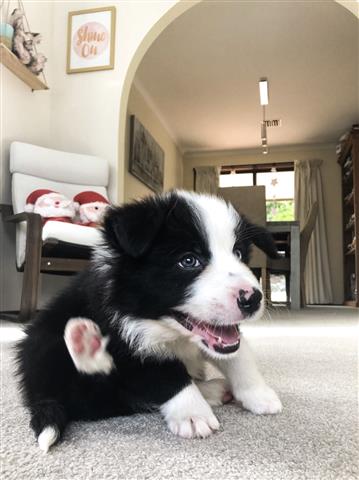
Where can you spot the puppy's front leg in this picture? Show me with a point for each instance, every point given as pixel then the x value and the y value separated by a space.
pixel 246 382
pixel 188 414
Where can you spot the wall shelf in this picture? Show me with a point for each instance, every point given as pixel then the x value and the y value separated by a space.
pixel 11 62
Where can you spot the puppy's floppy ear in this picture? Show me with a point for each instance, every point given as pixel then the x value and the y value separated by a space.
pixel 261 238
pixel 132 228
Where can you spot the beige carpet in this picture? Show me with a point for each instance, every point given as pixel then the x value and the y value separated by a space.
pixel 310 359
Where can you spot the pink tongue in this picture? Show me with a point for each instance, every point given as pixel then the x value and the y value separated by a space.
pixel 229 335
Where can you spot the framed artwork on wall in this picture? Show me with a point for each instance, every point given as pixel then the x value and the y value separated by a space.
pixel 146 157
pixel 91 40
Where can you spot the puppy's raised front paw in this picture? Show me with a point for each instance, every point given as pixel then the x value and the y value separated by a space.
pixel 261 400
pixel 188 414
pixel 87 346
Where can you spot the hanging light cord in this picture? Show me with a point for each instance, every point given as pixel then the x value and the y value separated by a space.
pixel 264 131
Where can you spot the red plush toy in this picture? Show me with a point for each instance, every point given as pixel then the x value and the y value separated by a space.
pixel 91 207
pixel 51 206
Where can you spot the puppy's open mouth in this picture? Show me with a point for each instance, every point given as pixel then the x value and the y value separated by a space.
pixel 222 339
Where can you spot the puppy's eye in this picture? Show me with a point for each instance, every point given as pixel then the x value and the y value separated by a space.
pixel 238 253
pixel 189 261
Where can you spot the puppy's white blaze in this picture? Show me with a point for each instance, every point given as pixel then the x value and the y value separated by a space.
pixel 218 218
pixel 47 437
pixel 188 414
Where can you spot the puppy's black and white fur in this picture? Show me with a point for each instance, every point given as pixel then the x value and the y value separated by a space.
pixel 164 294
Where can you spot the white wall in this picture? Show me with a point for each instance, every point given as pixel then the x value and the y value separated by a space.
pixel 173 163
pixel 79 113
pixel 25 116
pixel 86 106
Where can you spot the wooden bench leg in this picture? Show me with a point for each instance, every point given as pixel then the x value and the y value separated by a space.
pixel 287 286
pixel 269 289
pixel 265 284
pixel 303 300
pixel 31 277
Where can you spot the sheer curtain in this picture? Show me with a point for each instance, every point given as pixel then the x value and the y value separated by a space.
pixel 207 180
pixel 308 189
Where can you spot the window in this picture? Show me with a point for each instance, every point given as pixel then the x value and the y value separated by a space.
pixel 278 180
pixel 236 180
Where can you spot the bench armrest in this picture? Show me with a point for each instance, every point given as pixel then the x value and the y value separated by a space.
pixel 33 233
pixel 33 218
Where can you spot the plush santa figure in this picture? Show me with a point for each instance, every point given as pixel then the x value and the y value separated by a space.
pixel 91 208
pixel 51 206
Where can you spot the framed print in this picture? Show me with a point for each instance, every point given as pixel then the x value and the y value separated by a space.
pixel 91 40
pixel 146 157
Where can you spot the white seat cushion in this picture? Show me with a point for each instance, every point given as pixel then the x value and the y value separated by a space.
pixel 66 232
pixel 70 232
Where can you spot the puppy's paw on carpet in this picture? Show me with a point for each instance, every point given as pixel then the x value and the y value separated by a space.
pixel 194 427
pixel 261 400
pixel 188 414
pixel 87 346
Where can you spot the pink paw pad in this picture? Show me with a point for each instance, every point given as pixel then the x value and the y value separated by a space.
pixel 87 346
pixel 84 335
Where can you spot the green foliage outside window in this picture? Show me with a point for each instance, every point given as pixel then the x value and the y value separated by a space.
pixel 280 210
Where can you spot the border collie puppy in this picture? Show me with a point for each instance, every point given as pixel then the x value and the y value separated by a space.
pixel 163 295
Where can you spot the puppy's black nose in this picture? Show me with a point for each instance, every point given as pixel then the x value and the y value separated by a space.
pixel 249 303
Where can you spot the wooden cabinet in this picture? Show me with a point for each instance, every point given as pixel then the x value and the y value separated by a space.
pixel 348 158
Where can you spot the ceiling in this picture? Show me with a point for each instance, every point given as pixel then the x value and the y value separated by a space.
pixel 201 74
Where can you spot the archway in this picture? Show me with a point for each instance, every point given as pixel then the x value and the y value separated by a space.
pixel 174 12
pixel 170 16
